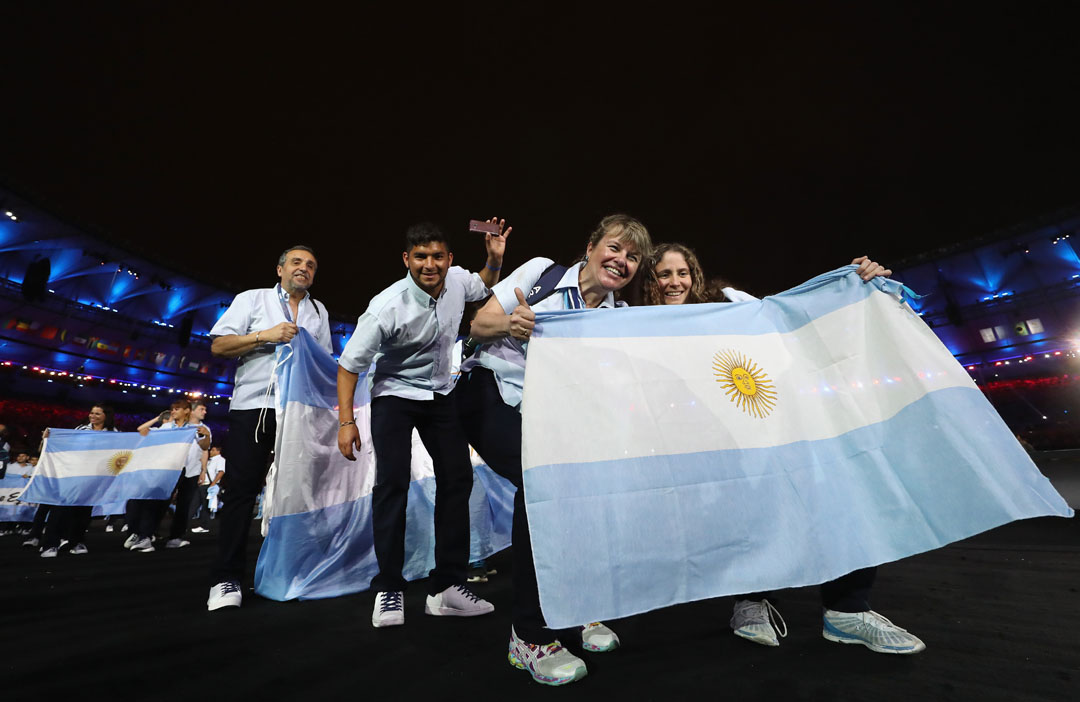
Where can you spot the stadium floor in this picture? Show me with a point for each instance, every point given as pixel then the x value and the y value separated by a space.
pixel 1000 614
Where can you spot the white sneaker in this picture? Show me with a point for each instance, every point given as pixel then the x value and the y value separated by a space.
pixel 389 610
pixel 130 541
pixel 871 630
pixel 108 528
pixel 79 549
pixel 50 552
pixel 124 528
pixel 32 542
pixel 757 622
pixel 548 664
pixel 177 543
pixel 226 594
pixel 457 601
pixel 200 530
pixel 143 545
pixel 598 638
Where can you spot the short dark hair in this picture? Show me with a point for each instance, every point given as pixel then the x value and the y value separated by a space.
pixel 298 247
pixel 424 233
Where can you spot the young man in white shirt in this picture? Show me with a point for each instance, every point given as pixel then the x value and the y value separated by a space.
pixel 409 331
pixel 255 323
pixel 212 473
pixel 187 487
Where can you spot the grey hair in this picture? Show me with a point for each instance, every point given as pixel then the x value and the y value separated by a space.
pixel 299 247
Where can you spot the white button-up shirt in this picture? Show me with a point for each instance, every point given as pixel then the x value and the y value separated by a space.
pixel 506 357
pixel 215 465
pixel 193 464
pixel 256 310
pixel 410 336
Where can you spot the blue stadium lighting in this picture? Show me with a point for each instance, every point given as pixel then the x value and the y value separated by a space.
pixel 42 371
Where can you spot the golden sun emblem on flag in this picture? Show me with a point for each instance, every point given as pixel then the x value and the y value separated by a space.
pixel 744 383
pixel 118 461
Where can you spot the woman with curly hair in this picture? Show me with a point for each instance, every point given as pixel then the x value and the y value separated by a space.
pixel 675 277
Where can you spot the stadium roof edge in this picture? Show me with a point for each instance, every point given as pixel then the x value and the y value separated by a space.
pixel 1025 228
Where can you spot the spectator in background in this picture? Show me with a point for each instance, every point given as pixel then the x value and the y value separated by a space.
pixel 71 522
pixel 210 477
pixel 22 465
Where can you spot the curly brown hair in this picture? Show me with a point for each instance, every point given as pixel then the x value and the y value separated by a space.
pixel 697 276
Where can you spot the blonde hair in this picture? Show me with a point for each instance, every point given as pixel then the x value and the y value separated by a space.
pixel 627 229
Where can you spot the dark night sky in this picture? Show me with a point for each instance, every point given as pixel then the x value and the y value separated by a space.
pixel 778 141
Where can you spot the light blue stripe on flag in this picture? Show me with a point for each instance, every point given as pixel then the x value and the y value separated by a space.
pixel 100 490
pixel 101 467
pixel 661 488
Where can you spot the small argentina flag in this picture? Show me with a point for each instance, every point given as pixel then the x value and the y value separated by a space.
pixel 101 467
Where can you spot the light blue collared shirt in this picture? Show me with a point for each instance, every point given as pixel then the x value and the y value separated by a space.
pixel 506 357
pixel 410 336
pixel 255 310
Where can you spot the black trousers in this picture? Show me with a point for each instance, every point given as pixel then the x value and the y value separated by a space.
pixel 37 528
pixel 200 511
pixel 392 422
pixel 186 491
pixel 66 522
pixel 249 461
pixel 848 593
pixel 143 516
pixel 494 430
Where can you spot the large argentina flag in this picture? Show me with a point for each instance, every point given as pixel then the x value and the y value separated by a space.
pixel 101 467
pixel 319 539
pixel 673 454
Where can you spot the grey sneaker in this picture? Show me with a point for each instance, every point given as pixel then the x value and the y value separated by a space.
pixel 32 542
pixel 79 549
pixel 457 601
pixel 50 552
pixel 143 545
pixel 130 541
pixel 226 594
pixel 548 664
pixel 177 543
pixel 598 638
pixel 389 610
pixel 757 622
pixel 871 630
